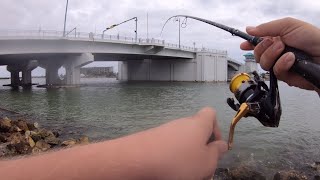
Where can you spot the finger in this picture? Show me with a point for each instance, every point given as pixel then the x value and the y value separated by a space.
pixel 281 70
pixel 271 54
pixel 217 149
pixel 278 27
pixel 261 48
pixel 283 65
pixel 208 122
pixel 246 46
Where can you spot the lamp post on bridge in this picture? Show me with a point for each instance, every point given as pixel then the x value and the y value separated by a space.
pixel 178 19
pixel 114 25
pixel 65 19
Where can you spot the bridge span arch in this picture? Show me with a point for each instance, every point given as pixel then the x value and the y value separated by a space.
pixel 138 60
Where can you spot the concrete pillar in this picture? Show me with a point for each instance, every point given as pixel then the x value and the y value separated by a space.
pixel 73 65
pixel 72 74
pixel 123 71
pixel 14 70
pixel 15 79
pixel 52 74
pixel 26 72
pixel 26 77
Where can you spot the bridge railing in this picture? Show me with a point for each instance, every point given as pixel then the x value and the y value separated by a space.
pixel 52 34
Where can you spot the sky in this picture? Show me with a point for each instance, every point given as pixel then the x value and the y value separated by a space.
pixel 96 15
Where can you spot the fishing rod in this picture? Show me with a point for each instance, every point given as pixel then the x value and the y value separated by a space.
pixel 304 65
pixel 254 97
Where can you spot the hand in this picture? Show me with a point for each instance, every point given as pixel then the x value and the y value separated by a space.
pixel 289 31
pixel 179 149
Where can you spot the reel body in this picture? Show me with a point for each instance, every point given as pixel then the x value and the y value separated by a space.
pixel 255 99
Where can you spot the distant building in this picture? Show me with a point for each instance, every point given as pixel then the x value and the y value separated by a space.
pixel 250 63
pixel 97 72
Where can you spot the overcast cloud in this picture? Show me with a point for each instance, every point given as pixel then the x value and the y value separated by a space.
pixel 96 15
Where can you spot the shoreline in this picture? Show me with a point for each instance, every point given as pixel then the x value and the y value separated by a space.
pixel 23 137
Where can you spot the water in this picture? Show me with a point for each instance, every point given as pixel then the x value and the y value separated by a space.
pixel 106 109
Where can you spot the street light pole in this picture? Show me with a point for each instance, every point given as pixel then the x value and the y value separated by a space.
pixel 65 19
pixel 136 30
pixel 179 31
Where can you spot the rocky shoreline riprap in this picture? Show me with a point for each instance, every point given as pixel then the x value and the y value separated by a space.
pixel 19 137
pixel 248 173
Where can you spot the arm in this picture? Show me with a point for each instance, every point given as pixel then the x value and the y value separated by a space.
pixel 176 150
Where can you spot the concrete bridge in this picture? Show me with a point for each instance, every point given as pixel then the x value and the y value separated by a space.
pixel 141 59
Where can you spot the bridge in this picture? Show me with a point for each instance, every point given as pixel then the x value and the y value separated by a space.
pixel 139 59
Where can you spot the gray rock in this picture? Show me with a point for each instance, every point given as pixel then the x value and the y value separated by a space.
pixel 5 124
pixel 45 133
pixel 69 143
pixel 31 126
pixel 221 174
pixel 56 133
pixel 36 137
pixel 3 149
pixel 83 140
pixel 36 150
pixel 52 140
pixel 15 138
pixel 3 138
pixel 31 142
pixel 20 148
pixel 22 125
pixel 315 166
pixel 245 173
pixel 289 175
pixel 42 145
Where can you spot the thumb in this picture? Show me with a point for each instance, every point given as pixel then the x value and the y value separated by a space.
pixel 217 149
pixel 274 28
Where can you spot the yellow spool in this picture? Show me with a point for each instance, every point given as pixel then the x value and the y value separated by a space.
pixel 236 81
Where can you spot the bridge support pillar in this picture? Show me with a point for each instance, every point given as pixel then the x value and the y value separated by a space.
pixel 26 73
pixel 15 79
pixel 73 65
pixel 123 71
pixel 205 67
pixel 52 73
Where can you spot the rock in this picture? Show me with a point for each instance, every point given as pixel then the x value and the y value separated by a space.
pixel 22 125
pixel 316 177
pixel 45 133
pixel 36 137
pixel 245 173
pixel 5 124
pixel 83 140
pixel 3 149
pixel 42 145
pixel 31 142
pixel 56 133
pixel 36 150
pixel 69 143
pixel 15 138
pixel 3 138
pixel 20 148
pixel 221 174
pixel 15 128
pixel 36 125
pixel 31 126
pixel 289 175
pixel 316 166
pixel 52 140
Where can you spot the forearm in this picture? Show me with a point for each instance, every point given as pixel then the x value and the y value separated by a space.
pixel 114 159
